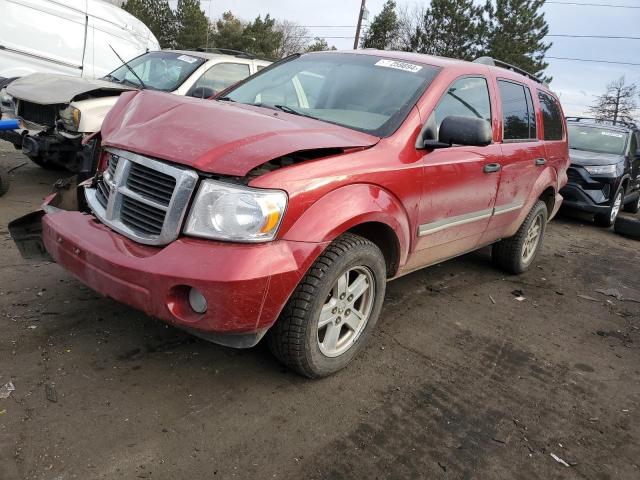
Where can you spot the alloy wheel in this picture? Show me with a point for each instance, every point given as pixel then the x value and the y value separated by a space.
pixel 531 240
pixel 346 311
pixel 615 209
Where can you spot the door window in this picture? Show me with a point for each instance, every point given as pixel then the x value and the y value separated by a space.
pixel 551 117
pixel 467 97
pixel 222 75
pixel 518 115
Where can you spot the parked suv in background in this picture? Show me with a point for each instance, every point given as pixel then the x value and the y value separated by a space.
pixel 59 111
pixel 604 175
pixel 284 207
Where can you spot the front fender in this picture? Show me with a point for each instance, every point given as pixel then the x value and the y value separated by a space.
pixel 347 207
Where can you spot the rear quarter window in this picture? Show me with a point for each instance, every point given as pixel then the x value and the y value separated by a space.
pixel 518 115
pixel 551 117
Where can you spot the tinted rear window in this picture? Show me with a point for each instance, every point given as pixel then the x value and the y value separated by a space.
pixel 518 114
pixel 551 117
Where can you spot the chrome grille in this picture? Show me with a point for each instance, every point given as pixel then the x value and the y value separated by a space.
pixel 146 181
pixel 142 198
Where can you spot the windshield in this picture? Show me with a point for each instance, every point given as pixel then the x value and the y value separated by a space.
pixel 362 92
pixel 158 70
pixel 596 139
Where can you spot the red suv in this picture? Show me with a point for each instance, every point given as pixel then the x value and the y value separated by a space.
pixel 284 206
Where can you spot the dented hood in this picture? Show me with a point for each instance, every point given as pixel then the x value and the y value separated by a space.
pixel 52 88
pixel 217 137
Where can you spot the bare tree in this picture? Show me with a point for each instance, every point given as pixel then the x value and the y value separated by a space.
pixel 295 38
pixel 618 103
pixel 409 18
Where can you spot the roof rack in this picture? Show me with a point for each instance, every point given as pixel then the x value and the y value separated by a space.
pixel 614 123
pixel 226 51
pixel 499 63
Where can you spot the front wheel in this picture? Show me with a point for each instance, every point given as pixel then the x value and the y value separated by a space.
pixel 608 218
pixel 516 254
pixel 333 309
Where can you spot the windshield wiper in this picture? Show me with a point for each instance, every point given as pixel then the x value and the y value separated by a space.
pixel 129 67
pixel 226 99
pixel 294 111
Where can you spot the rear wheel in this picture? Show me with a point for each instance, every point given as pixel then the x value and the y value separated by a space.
pixel 333 309
pixel 608 218
pixel 516 254
pixel 633 207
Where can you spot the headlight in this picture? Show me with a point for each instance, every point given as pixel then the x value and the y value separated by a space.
pixel 614 170
pixel 6 101
pixel 70 117
pixel 225 211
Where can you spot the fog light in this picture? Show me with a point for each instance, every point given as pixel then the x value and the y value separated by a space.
pixel 197 301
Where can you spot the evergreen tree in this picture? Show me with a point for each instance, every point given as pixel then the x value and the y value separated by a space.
pixel 384 31
pixel 262 38
pixel 515 34
pixel 158 16
pixel 318 45
pixel 450 28
pixel 229 33
pixel 192 25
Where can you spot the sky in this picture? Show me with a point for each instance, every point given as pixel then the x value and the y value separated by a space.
pixel 575 82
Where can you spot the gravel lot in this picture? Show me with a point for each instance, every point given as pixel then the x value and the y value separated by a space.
pixel 461 380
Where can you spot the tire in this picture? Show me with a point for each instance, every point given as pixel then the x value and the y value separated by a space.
pixel 627 226
pixel 607 219
pixel 4 181
pixel 42 163
pixel 633 207
pixel 509 254
pixel 299 341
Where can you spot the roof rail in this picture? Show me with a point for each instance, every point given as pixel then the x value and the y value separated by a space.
pixel 614 123
pixel 226 51
pixel 499 63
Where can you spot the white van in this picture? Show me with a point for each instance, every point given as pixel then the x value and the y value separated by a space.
pixel 72 37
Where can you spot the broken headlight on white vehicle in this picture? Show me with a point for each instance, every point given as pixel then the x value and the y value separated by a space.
pixel 7 105
pixel 225 211
pixel 70 118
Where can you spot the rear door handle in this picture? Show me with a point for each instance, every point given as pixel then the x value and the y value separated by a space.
pixel 540 161
pixel 491 167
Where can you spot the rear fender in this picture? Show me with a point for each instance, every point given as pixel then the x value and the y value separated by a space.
pixel 547 178
pixel 347 207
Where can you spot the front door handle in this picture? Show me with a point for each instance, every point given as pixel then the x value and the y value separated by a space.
pixel 491 167
pixel 540 161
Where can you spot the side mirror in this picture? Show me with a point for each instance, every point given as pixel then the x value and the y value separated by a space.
pixel 202 92
pixel 458 130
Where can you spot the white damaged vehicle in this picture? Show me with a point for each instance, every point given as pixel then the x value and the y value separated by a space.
pixel 57 112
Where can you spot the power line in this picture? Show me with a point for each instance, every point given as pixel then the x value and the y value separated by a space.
pixel 594 36
pixel 592 60
pixel 593 4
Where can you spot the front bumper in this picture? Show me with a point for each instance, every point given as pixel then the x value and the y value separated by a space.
pixel 589 194
pixel 246 285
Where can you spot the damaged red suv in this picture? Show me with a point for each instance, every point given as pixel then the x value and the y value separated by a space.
pixel 283 207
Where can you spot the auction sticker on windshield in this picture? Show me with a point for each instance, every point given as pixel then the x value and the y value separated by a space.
pixel 407 67
pixel 611 134
pixel 187 58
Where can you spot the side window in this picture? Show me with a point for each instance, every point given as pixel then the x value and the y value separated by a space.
pixel 551 117
pixel 222 75
pixel 633 147
pixel 518 114
pixel 467 97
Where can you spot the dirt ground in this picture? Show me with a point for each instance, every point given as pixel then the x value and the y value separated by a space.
pixel 460 380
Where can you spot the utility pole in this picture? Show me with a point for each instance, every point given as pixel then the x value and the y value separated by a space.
pixel 357 39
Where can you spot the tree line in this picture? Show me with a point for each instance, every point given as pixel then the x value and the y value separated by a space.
pixel 189 28
pixel 511 30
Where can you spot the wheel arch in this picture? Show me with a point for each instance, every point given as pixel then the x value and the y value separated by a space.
pixel 373 213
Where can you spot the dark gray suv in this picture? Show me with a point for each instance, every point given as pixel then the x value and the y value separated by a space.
pixel 604 175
